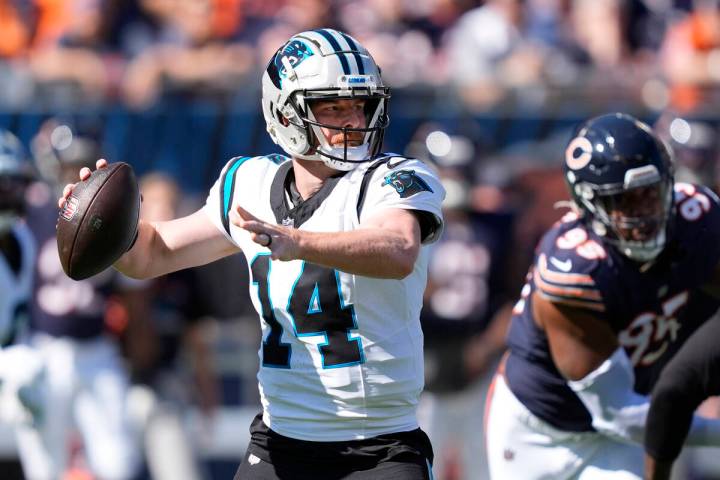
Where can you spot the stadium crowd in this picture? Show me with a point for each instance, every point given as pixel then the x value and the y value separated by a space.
pixel 659 51
pixel 486 90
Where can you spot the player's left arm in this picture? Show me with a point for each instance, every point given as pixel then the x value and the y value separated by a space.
pixel 385 246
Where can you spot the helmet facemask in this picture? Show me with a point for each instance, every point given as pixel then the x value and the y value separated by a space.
pixel 634 215
pixel 348 146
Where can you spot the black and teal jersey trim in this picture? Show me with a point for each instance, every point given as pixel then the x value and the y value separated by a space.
pixel 227 183
pixel 227 189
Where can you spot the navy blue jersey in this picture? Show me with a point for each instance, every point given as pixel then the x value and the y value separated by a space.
pixel 60 306
pixel 653 311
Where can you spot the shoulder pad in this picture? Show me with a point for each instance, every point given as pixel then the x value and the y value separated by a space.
pixel 228 179
pixel 693 202
pixel 384 163
pixel 568 260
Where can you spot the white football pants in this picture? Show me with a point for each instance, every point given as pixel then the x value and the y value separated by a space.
pixel 521 446
pixel 86 389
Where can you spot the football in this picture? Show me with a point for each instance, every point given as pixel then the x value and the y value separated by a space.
pixel 98 222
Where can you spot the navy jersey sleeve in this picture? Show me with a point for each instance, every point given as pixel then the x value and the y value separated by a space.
pixel 697 230
pixel 568 268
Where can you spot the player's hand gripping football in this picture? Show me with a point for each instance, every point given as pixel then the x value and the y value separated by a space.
pixel 84 175
pixel 283 242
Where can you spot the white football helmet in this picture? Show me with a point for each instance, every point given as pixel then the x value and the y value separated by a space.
pixel 323 64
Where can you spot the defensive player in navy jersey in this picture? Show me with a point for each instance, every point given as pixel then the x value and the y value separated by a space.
pixel 617 286
pixel 334 234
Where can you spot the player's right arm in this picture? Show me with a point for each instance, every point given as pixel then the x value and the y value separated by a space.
pixel 164 247
pixel 586 352
pixel 580 341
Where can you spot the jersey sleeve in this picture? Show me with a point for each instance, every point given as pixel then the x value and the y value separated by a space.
pixel 567 274
pixel 219 199
pixel 408 184
pixel 697 229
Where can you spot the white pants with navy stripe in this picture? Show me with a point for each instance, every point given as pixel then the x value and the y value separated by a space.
pixel 521 446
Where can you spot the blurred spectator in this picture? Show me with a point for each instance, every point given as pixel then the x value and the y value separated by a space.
pixel 77 33
pixel 86 382
pixel 487 52
pixel 196 51
pixel 168 352
pixel 691 54
pixel 390 26
pixel 291 17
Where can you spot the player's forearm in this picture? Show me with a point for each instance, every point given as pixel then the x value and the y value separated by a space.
pixel 370 252
pixel 164 247
pixel 656 470
pixel 618 412
pixel 138 261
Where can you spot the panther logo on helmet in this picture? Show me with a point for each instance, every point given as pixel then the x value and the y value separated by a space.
pixel 295 53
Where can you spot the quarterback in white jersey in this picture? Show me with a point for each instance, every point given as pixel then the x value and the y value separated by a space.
pixel 335 234
pixel 340 349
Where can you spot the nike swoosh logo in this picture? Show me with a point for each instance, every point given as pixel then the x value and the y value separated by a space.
pixel 391 165
pixel 565 266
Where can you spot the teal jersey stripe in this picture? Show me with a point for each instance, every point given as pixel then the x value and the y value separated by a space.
pixel 228 184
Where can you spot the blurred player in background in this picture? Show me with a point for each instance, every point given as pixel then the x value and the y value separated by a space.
pixel 86 383
pixel 334 235
pixel 617 286
pixel 165 334
pixel 21 369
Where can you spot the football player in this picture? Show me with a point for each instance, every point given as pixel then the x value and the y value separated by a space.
pixel 85 378
pixel 335 235
pixel 21 370
pixel 616 288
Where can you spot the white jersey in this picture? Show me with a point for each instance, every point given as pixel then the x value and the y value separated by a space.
pixel 16 286
pixel 342 355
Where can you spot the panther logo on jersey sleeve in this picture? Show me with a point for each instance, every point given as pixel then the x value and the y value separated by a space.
pixel 406 183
